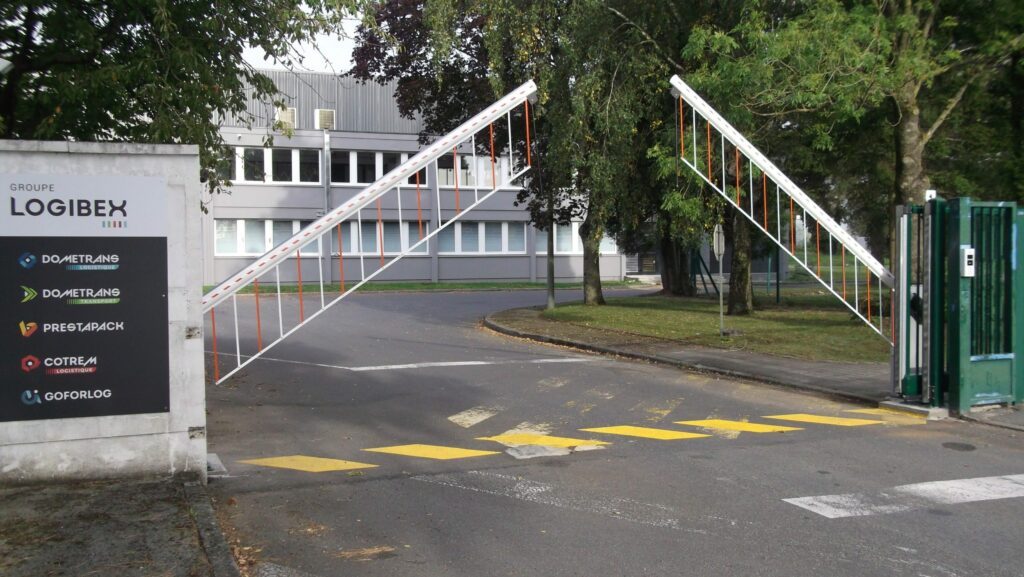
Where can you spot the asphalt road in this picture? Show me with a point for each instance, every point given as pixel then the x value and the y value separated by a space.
pixel 380 371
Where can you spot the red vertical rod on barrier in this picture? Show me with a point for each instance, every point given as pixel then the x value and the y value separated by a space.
pixel 298 266
pixel 792 227
pixel 764 190
pixel 526 104
pixel 682 130
pixel 494 177
pixel 710 178
pixel 341 260
pixel 869 293
pixel 216 359
pixel 419 206
pixel 259 327
pixel 892 314
pixel 817 241
pixel 738 205
pixel 455 163
pixel 380 232
pixel 844 271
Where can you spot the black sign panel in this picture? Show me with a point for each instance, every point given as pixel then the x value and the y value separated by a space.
pixel 83 326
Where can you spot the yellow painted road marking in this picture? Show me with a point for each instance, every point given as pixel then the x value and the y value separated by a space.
pixel 431 452
pixel 646 432
pixel 892 416
pixel 739 426
pixel 517 439
pixel 823 420
pixel 309 464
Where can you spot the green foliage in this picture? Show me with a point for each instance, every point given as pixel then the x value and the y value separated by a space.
pixel 156 72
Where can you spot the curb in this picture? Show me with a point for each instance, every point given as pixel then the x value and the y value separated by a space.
pixel 500 328
pixel 210 536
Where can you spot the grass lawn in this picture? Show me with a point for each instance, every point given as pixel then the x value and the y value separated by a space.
pixel 269 287
pixel 805 325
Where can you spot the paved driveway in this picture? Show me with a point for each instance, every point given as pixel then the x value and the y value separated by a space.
pixel 393 436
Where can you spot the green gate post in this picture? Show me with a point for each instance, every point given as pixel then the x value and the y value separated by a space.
pixel 936 213
pixel 1018 303
pixel 982 331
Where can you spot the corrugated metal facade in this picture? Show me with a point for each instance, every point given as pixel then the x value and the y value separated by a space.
pixel 359 107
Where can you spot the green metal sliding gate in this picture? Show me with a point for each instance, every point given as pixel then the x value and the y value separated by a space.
pixel 959 303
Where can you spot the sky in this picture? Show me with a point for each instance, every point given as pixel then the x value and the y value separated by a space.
pixel 338 53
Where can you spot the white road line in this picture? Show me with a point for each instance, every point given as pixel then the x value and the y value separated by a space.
pixel 562 497
pixel 430 364
pixel 915 496
pixel 474 416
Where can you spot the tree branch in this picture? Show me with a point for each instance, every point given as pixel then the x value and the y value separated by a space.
pixel 951 104
pixel 644 33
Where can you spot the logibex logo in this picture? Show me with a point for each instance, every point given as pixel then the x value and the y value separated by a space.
pixel 27 260
pixel 61 365
pixel 27 329
pixel 27 294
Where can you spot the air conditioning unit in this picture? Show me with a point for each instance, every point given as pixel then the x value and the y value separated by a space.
pixel 323 119
pixel 286 117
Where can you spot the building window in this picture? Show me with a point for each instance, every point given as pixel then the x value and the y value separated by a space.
pixel 608 246
pixel 368 238
pixel 446 238
pixel 422 173
pixel 470 237
pixel 340 167
pixel 226 236
pixel 564 238
pixel 309 165
pixel 517 237
pixel 255 237
pixel 366 167
pixel 413 234
pixel 281 230
pixel 390 161
pixel 252 163
pixel 493 241
pixel 281 165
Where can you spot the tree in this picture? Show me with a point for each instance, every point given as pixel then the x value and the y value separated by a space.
pixel 159 72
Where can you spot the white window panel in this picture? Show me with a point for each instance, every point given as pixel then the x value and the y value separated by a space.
pixel 413 235
pixel 493 237
pixel 470 237
pixel 446 238
pixel 281 230
pixel 608 245
pixel 225 236
pixel 517 237
pixel 368 238
pixel 564 238
pixel 254 236
pixel 281 165
pixel 391 231
pixel 310 249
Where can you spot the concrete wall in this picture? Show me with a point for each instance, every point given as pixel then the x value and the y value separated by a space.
pixel 170 443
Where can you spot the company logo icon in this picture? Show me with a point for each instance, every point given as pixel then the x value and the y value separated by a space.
pixel 27 260
pixel 27 329
pixel 31 398
pixel 30 363
pixel 27 293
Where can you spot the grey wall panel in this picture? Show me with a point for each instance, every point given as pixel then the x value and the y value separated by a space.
pixel 496 267
pixel 413 268
pixel 272 196
pixel 358 107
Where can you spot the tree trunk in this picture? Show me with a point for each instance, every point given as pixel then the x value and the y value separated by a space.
pixel 675 269
pixel 591 235
pixel 911 181
pixel 741 291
